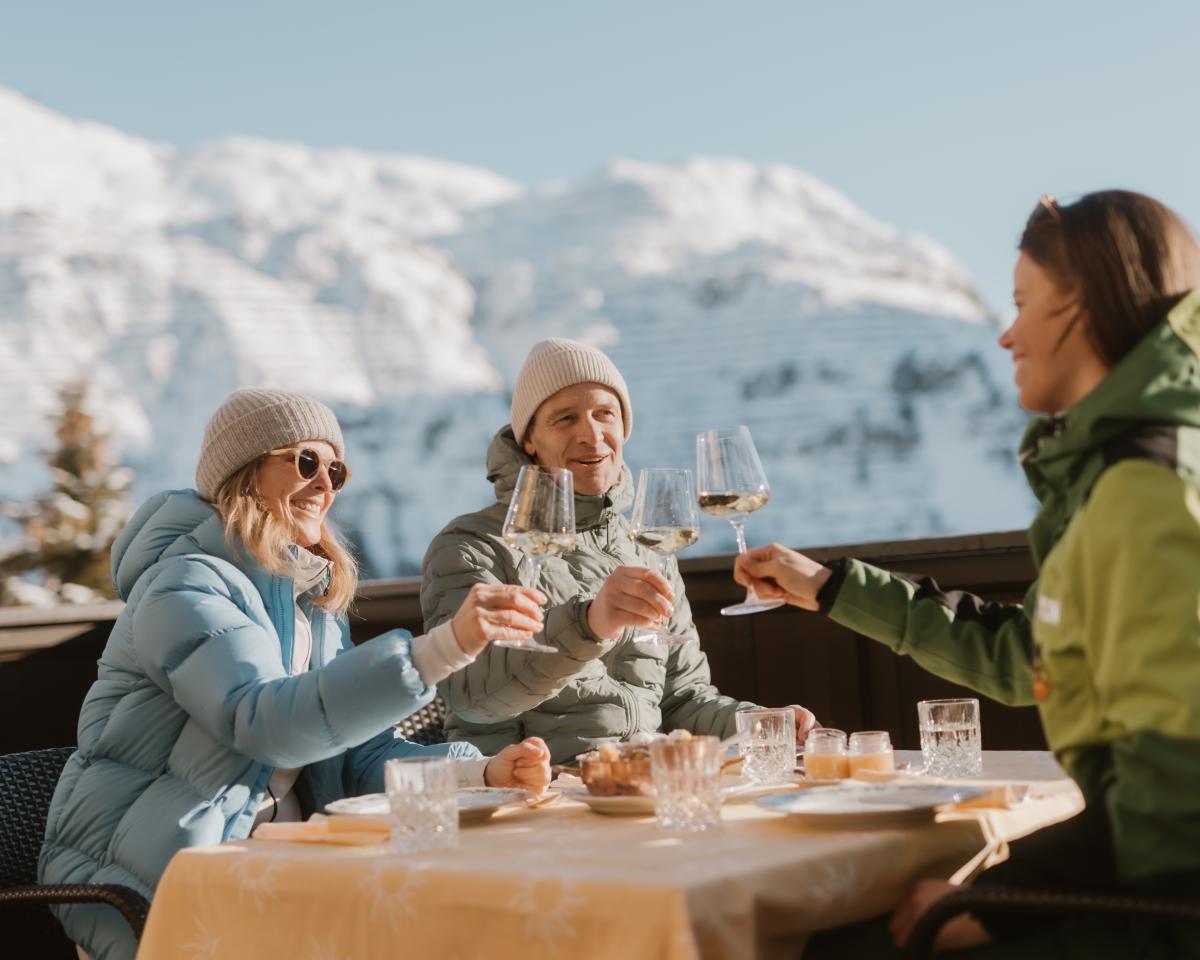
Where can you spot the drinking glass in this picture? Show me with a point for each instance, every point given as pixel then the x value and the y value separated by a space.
pixel 870 750
pixel 540 523
pixel 950 742
pixel 825 755
pixel 423 799
pixel 687 783
pixel 664 519
pixel 769 746
pixel 732 485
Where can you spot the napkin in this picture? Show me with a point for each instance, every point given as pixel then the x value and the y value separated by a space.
pixel 1002 796
pixel 349 831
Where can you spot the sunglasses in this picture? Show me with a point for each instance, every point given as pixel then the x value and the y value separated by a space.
pixel 1047 207
pixel 308 464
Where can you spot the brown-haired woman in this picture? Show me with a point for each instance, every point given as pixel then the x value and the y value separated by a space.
pixel 229 692
pixel 1106 348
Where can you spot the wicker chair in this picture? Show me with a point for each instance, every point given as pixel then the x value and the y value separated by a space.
pixel 1035 903
pixel 427 725
pixel 27 782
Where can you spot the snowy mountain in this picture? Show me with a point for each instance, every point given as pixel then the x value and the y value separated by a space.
pixel 405 291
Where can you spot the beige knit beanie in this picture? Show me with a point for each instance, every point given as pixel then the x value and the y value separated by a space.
pixel 251 422
pixel 557 363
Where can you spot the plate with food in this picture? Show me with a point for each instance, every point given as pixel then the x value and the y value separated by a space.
pixel 474 803
pixel 615 780
pixel 860 805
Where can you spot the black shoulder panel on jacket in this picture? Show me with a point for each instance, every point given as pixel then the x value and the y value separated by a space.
pixel 1156 442
pixel 966 606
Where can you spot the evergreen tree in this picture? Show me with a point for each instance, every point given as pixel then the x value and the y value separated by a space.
pixel 68 532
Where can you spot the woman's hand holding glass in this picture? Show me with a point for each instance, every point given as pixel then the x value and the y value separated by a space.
pixel 777 573
pixel 496 611
pixel 525 765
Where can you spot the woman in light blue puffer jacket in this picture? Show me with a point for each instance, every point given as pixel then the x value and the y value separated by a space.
pixel 229 692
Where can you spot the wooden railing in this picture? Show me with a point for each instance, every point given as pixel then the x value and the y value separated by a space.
pixel 48 658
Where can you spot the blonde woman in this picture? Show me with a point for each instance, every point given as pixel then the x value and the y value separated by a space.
pixel 229 692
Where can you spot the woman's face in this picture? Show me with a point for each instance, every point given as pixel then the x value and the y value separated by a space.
pixel 1055 364
pixel 301 502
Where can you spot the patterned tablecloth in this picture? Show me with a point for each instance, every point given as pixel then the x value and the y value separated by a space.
pixel 562 881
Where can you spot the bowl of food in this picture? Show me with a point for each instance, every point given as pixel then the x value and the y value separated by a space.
pixel 617 770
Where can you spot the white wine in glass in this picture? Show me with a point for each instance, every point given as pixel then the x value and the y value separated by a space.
pixel 732 486
pixel 664 519
pixel 540 523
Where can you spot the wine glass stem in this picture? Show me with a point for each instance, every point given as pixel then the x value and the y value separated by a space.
pixel 664 563
pixel 535 569
pixel 739 528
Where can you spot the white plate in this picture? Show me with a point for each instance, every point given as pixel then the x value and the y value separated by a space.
pixel 474 803
pixel 621 806
pixel 638 806
pixel 869 804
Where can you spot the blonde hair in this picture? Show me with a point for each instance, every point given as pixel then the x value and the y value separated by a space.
pixel 251 525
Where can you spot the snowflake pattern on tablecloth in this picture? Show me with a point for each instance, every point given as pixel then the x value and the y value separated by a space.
pixel 206 945
pixel 324 950
pixel 388 890
pixel 547 905
pixel 255 878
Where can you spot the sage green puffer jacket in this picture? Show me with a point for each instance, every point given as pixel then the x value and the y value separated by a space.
pixel 593 691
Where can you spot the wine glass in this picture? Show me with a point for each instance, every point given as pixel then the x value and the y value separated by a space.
pixel 732 486
pixel 540 523
pixel 664 519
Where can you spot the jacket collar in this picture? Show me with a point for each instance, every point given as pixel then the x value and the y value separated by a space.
pixel 505 459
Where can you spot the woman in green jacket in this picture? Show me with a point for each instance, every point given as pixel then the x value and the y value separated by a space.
pixel 1106 348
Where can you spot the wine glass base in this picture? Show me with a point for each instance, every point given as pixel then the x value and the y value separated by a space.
pixel 664 639
pixel 526 645
pixel 750 606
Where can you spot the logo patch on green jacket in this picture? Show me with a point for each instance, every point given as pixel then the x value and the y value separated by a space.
pixel 1049 610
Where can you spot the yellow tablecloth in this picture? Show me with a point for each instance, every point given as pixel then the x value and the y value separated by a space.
pixel 562 881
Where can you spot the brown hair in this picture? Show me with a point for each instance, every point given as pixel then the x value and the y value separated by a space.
pixel 1127 257
pixel 251 525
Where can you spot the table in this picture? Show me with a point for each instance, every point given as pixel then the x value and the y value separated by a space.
pixel 563 882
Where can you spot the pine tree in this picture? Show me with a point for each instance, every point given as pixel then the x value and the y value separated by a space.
pixel 67 533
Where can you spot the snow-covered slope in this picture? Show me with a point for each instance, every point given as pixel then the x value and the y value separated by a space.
pixel 405 292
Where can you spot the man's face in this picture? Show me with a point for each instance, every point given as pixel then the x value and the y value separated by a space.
pixel 580 428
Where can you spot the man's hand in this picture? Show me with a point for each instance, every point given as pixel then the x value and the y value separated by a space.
pixel 805 722
pixel 777 573
pixel 963 931
pixel 630 597
pixel 525 765
pixel 494 611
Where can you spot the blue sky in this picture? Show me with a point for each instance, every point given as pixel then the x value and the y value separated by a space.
pixel 945 117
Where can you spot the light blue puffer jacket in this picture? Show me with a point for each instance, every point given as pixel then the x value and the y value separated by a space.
pixel 193 710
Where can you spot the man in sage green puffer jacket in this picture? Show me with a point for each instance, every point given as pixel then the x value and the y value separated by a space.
pixel 571 408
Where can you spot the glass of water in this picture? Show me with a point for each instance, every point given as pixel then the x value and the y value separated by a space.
pixel 687 783
pixel 423 799
pixel 768 746
pixel 950 741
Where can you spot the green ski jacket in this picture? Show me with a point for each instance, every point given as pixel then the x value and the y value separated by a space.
pixel 1109 634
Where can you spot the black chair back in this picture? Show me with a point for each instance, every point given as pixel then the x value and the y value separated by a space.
pixel 427 725
pixel 27 782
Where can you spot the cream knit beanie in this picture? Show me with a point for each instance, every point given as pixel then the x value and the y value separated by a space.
pixel 250 423
pixel 557 363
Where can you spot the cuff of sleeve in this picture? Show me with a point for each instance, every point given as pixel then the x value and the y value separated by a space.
pixel 567 627
pixel 437 654
pixel 827 595
pixel 470 771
